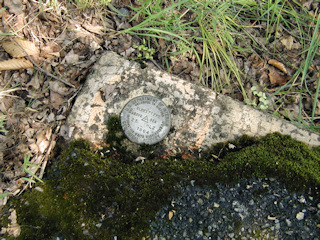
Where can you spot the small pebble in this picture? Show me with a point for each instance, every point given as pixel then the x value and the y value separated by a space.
pixel 231 235
pixel 98 225
pixel 39 189
pixel 289 233
pixel 238 211
pixel 288 222
pixel 300 216
pixel 124 13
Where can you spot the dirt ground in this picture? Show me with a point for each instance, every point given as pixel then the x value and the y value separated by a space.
pixel 65 43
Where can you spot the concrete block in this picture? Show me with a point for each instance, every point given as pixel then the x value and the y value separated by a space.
pixel 200 117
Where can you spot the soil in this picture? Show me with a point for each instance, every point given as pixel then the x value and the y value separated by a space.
pixel 69 41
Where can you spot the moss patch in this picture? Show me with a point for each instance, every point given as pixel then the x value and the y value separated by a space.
pixel 275 156
pixel 90 195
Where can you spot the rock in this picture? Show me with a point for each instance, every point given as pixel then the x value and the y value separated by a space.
pixel 289 233
pixel 15 6
pixel 200 117
pixel 231 235
pixel 288 222
pixel 124 13
pixel 300 216
pixel 199 234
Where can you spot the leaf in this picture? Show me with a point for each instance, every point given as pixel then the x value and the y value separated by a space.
pixel 26 158
pixel 278 65
pixel 276 78
pixel 93 28
pixel 28 179
pixel 71 58
pixel 253 88
pixel 289 43
pixel 15 64
pixel 13 228
pixel 3 195
pixel 2 9
pixel 33 175
pixel 33 165
pixel 170 215
pixel 16 46
pixel 263 107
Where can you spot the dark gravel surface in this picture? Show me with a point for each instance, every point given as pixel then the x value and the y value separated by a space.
pixel 251 209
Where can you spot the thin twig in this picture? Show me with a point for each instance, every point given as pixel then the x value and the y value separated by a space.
pixel 49 150
pixel 73 96
pixel 156 64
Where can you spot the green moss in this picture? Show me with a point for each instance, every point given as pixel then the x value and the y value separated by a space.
pixel 115 133
pixel 237 226
pixel 220 150
pixel 89 196
pixel 276 156
pixel 118 145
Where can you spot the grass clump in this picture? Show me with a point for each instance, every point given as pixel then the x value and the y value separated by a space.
pixel 88 196
pixel 179 25
pixel 219 36
pixel 27 166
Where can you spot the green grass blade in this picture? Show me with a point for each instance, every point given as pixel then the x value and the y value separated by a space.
pixel 315 101
pixel 28 179
pixel 3 195
pixel 312 50
pixel 33 175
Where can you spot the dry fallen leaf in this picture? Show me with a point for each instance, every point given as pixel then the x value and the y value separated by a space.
pixel 59 88
pixel 13 228
pixel 287 42
pixel 277 78
pixel 15 6
pixel 290 43
pixel 162 43
pixel 93 28
pixel 51 50
pixel 15 64
pixel 278 65
pixel 57 100
pixel 20 48
pixel 71 58
pixel 43 140
pixel 170 215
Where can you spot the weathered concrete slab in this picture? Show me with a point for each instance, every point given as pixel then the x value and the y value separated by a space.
pixel 200 118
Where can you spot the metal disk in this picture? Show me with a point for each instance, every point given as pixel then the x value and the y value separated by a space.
pixel 145 119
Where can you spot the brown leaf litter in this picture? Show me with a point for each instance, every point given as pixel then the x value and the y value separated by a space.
pixel 278 77
pixel 35 105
